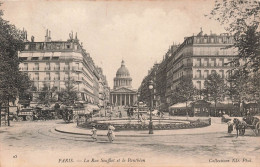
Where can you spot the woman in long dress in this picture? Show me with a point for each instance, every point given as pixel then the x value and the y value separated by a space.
pixel 94 133
pixel 110 133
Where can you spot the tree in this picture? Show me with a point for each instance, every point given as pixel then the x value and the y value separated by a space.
pixel 214 88
pixel 46 95
pixel 68 95
pixel 253 90
pixel 236 87
pixel 185 91
pixel 25 94
pixel 10 42
pixel 241 18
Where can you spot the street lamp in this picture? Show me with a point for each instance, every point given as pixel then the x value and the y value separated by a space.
pixel 138 96
pixel 150 86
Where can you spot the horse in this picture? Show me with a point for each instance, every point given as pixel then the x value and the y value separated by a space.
pixel 240 126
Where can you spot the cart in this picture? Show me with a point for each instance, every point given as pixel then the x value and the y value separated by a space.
pixel 253 122
pixel 26 114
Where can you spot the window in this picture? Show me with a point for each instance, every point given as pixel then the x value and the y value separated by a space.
pixel 57 66
pixel 206 73
pixel 220 40
pixel 198 74
pixel 55 58
pixel 205 39
pixel 221 62
pixel 66 76
pixel 48 76
pixel 47 66
pixel 36 66
pixel 67 66
pixel 23 58
pixel 36 76
pixel 199 85
pixel 35 58
pixel 57 76
pixel 199 62
pixel 25 66
pixel 46 58
pixel 213 72
pixel 213 62
pixel 221 73
pixel 206 60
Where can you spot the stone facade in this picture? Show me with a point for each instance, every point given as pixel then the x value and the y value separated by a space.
pixel 53 63
pixel 198 56
pixel 123 94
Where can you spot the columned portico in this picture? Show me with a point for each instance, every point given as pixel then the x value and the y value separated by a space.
pixel 123 94
pixel 123 97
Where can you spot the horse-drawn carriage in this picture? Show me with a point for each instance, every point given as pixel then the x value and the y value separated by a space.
pixel 26 114
pixel 253 122
pixel 74 113
pixel 37 113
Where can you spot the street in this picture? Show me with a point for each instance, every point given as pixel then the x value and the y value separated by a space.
pixel 35 142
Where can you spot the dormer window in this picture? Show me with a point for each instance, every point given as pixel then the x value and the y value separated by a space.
pixel 35 58
pixel 23 58
pixel 46 58
pixel 55 58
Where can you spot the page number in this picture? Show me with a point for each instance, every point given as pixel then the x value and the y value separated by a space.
pixel 15 156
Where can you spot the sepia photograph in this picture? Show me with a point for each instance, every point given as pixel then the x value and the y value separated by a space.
pixel 129 83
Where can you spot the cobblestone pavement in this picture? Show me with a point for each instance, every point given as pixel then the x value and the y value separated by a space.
pixel 38 144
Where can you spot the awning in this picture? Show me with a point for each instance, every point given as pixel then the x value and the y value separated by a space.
pixel 93 107
pixel 222 105
pixel 180 105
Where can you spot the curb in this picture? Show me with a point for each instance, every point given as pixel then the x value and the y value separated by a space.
pixel 141 135
pixel 61 131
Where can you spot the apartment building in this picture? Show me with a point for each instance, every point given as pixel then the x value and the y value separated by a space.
pixel 198 56
pixel 53 63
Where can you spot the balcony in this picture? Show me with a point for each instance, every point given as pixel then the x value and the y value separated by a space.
pixel 187 65
pixel 36 68
pixel 47 78
pixel 47 68
pixel 77 79
pixel 57 78
pixel 76 68
pixel 66 68
pixel 35 79
pixel 199 78
pixel 57 68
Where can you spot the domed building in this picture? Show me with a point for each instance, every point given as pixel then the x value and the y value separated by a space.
pixel 123 94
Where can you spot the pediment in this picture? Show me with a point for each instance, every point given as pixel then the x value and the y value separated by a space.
pixel 123 90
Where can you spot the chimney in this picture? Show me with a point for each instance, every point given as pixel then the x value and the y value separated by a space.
pixel 32 39
pixel 25 35
pixel 49 37
pixel 46 36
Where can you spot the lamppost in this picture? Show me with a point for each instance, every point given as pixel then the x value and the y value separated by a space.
pixel 150 86
pixel 138 96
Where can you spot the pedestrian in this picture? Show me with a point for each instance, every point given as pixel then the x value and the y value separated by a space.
pixel 110 133
pixel 94 133
pixel 230 126
pixel 120 114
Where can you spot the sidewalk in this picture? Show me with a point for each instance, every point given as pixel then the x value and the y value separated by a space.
pixel 72 128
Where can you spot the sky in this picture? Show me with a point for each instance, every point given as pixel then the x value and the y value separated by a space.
pixel 139 32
